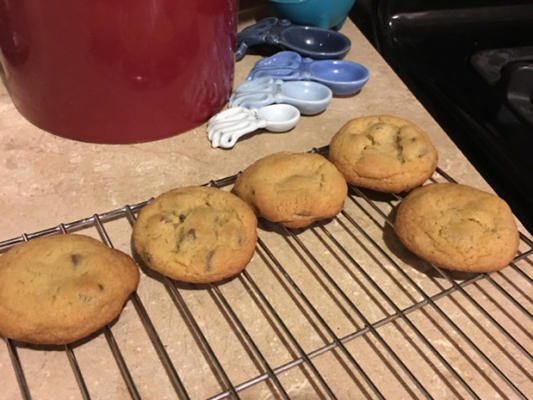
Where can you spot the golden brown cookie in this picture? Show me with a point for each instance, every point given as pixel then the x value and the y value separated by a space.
pixel 294 189
pixel 458 227
pixel 58 289
pixel 383 153
pixel 196 234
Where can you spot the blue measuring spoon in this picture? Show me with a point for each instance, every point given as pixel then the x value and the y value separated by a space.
pixel 309 41
pixel 344 78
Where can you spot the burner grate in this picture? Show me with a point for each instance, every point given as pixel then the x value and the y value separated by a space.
pixel 338 310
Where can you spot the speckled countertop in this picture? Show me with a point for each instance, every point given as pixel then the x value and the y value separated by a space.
pixel 47 179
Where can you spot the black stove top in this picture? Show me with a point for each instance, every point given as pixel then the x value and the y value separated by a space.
pixel 471 64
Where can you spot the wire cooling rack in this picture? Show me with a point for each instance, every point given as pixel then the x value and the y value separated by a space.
pixel 337 310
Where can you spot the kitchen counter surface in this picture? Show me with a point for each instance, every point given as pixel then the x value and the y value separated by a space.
pixel 47 179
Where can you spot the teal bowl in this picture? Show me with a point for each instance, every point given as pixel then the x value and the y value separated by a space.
pixel 321 13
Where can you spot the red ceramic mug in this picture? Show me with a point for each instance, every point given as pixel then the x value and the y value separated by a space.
pixel 118 71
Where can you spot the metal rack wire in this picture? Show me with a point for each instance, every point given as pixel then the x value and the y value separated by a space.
pixel 338 310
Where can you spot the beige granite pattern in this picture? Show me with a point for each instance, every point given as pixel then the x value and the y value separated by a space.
pixel 46 180
pixel 41 173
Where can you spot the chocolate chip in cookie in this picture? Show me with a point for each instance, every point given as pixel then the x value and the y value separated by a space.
pixel 52 288
pixel 196 234
pixel 383 153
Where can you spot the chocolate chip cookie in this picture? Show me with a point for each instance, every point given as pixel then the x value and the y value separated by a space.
pixel 458 227
pixel 196 234
pixel 383 153
pixel 294 189
pixel 58 289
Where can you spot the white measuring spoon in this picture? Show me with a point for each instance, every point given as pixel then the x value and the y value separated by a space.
pixel 225 128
